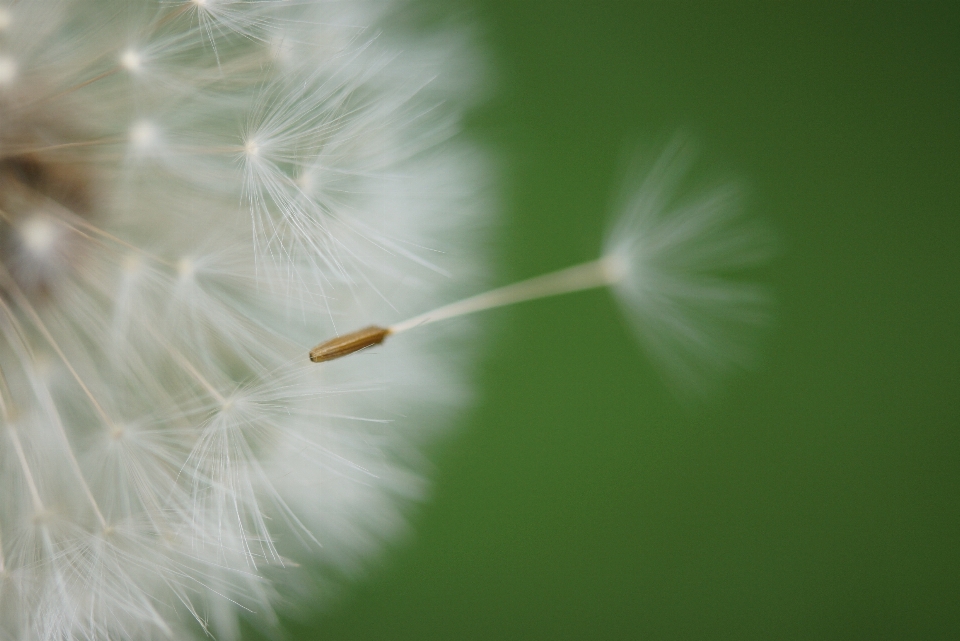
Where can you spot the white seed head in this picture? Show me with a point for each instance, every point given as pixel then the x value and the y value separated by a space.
pixel 169 455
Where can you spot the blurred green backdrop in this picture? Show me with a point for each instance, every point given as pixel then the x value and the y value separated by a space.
pixel 816 499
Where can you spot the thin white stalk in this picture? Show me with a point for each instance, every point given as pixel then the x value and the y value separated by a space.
pixel 602 272
pixel 598 273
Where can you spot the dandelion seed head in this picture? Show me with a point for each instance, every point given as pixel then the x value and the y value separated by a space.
pixel 169 457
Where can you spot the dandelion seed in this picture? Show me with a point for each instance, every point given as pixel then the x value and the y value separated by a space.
pixel 672 264
pixel 349 344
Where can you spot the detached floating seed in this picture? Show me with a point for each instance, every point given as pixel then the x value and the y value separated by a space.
pixel 605 271
pixel 348 343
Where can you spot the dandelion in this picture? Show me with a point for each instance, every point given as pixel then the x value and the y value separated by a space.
pixel 190 191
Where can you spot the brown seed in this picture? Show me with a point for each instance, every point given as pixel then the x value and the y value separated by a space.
pixel 348 343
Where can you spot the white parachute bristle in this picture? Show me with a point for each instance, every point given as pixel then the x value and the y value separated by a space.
pixel 687 288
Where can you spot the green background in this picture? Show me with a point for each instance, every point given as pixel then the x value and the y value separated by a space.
pixel 818 498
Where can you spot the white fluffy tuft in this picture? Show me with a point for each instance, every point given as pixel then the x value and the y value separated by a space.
pixel 684 272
